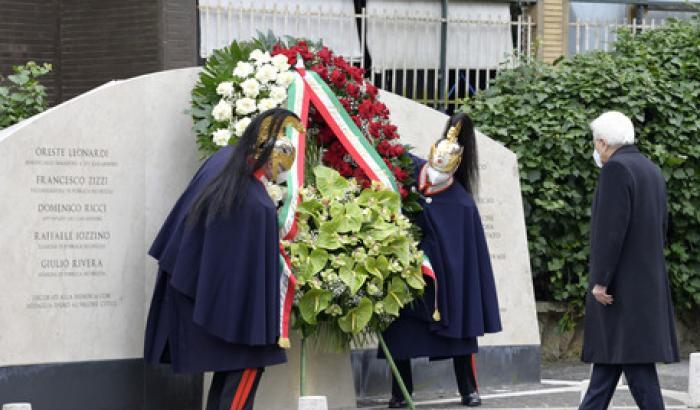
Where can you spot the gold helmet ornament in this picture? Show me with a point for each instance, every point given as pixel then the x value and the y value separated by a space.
pixel 283 152
pixel 446 153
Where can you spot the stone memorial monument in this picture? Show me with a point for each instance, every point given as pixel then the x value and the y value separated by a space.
pixel 85 187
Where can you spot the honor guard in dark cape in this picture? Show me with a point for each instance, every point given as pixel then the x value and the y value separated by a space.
pixel 216 303
pixel 461 303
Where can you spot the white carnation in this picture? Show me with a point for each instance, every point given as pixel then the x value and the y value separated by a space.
pixel 245 106
pixel 223 111
pixel 225 89
pixel 267 104
pixel 241 125
pixel 285 78
pixel 278 93
pixel 266 73
pixel 243 69
pixel 259 57
pixel 251 87
pixel 221 137
pixel 280 63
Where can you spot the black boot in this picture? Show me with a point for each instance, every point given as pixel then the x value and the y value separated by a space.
pixel 471 400
pixel 397 403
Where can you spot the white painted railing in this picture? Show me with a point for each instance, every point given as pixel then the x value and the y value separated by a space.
pixel 403 46
pixel 599 35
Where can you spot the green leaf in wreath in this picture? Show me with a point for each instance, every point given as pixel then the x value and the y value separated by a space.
pixel 357 318
pixel 329 182
pixel 314 302
pixel 372 267
pixel 415 279
pixel 396 296
pixel 353 278
pixel 317 261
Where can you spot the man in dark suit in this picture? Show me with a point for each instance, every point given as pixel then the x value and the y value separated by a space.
pixel 629 321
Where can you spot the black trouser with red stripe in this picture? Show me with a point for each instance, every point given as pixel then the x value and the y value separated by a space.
pixel 465 373
pixel 234 390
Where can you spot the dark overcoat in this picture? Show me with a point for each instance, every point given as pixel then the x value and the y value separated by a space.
pixel 628 231
pixel 216 305
pixel 454 240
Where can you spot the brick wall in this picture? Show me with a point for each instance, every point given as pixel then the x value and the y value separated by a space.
pixel 91 42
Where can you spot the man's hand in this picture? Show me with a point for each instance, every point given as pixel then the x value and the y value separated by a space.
pixel 600 294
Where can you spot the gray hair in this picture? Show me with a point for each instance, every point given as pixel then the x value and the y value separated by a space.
pixel 613 127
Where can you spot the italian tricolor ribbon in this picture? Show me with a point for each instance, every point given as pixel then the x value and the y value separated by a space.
pixel 307 88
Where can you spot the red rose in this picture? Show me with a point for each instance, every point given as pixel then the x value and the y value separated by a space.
pixel 357 120
pixel 345 103
pixel 371 89
pixel 353 90
pixel 321 70
pixel 400 174
pixel 366 109
pixel 365 183
pixel 381 110
pixel 325 55
pixel 384 148
pixel 359 174
pixel 325 135
pixel 357 73
pixel 374 129
pixel 398 150
pixel 339 61
pixel 389 131
pixel 338 78
pixel 344 168
pixel 403 191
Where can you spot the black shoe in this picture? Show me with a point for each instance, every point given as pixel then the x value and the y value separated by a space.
pixel 472 400
pixel 396 403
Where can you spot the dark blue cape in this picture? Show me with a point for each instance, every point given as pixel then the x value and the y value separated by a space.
pixel 216 302
pixel 453 239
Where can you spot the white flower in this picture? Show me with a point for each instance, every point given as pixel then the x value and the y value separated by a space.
pixel 222 111
pixel 280 63
pixel 259 57
pixel 243 69
pixel 245 106
pixel 241 125
pixel 251 87
pixel 221 137
pixel 285 78
pixel 266 74
pixel 266 104
pixel 225 89
pixel 278 93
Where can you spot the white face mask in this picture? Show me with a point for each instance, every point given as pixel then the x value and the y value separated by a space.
pixel 282 177
pixel 436 177
pixel 596 158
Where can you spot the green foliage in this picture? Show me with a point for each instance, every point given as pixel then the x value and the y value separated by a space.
pixel 21 94
pixel 541 112
pixel 355 260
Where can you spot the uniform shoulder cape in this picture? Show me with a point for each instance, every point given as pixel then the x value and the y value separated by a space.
pixel 453 239
pixel 228 268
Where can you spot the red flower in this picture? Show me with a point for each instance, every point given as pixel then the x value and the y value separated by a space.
pixel 400 174
pixel 381 110
pixel 345 103
pixel 403 191
pixel 357 73
pixel 384 148
pixel 321 70
pixel 398 150
pixel 389 131
pixel 353 90
pixel 366 109
pixel 338 78
pixel 344 169
pixel 359 174
pixel 371 89
pixel 339 61
pixel 325 135
pixel 374 129
pixel 325 55
pixel 357 120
